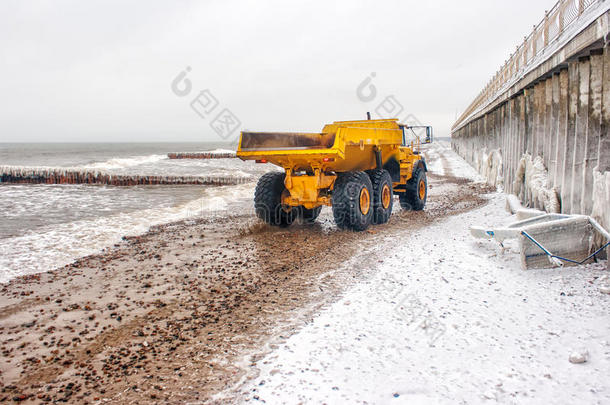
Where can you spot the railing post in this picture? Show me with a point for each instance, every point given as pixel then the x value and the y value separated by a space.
pixel 562 10
pixel 546 28
pixel 534 42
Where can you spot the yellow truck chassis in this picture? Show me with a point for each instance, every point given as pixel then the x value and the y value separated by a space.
pixel 353 166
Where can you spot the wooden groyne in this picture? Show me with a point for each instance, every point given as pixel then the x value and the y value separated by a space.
pixel 44 175
pixel 201 155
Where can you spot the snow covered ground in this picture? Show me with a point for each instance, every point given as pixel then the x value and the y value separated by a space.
pixel 450 319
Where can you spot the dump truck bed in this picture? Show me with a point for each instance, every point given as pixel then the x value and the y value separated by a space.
pixel 256 141
pixel 340 146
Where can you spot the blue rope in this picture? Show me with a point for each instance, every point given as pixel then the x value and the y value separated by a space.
pixel 527 235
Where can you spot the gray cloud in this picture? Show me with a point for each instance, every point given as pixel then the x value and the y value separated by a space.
pixel 101 70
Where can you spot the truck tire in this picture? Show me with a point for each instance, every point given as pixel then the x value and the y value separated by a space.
pixel 351 201
pixel 268 200
pixel 383 196
pixel 309 215
pixel 414 198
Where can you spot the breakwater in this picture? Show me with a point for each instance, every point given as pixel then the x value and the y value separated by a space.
pixel 201 155
pixel 45 175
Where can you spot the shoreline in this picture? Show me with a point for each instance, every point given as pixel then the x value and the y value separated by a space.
pixel 56 244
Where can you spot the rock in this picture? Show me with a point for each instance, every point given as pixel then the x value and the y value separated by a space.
pixel 579 356
pixel 605 289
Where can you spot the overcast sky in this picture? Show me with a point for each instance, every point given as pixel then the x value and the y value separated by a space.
pixel 103 70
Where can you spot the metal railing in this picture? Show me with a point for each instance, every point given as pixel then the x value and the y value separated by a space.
pixel 563 14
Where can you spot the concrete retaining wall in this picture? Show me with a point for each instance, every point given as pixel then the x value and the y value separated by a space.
pixel 550 131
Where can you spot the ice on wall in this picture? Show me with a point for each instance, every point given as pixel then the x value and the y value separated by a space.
pixel 489 165
pixel 531 182
pixel 601 198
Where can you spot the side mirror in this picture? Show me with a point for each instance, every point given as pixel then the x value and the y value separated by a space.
pixel 429 135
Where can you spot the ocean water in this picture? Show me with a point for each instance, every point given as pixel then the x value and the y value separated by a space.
pixel 43 227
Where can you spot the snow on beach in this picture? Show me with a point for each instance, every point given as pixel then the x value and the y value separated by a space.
pixel 450 319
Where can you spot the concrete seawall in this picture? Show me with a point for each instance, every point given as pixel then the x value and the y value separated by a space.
pixel 541 127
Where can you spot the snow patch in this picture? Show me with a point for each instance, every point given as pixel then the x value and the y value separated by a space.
pixel 507 337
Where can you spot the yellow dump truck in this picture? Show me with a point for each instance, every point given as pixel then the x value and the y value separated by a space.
pixel 353 166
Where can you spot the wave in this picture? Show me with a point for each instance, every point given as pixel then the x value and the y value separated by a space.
pixel 121 163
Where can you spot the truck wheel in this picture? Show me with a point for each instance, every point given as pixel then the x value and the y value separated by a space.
pixel 309 215
pixel 383 197
pixel 416 193
pixel 351 201
pixel 268 200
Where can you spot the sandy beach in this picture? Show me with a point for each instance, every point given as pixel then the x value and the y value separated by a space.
pixel 168 316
